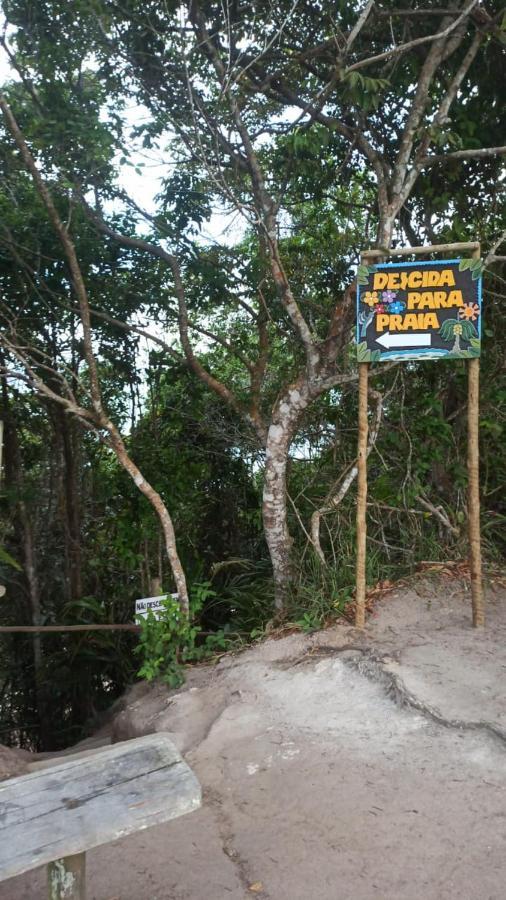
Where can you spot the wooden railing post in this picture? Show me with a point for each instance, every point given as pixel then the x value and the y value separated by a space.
pixel 66 878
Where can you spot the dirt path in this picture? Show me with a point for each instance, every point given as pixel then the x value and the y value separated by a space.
pixel 334 766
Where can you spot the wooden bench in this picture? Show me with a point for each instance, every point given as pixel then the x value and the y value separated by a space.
pixel 54 815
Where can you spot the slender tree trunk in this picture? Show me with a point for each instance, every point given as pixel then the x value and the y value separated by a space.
pixel 118 446
pixel 72 518
pixel 456 344
pixel 285 417
pixel 14 478
pixel 99 415
pixel 30 568
pixel 32 580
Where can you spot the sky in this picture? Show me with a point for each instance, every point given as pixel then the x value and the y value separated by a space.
pixel 143 187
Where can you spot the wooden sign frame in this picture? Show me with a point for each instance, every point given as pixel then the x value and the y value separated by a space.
pixel 368 257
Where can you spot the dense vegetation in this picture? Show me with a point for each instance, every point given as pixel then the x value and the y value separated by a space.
pixel 213 396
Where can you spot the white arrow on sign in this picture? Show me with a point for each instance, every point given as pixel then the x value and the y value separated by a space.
pixel 388 340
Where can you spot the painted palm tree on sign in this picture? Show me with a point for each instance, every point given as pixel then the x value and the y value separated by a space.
pixel 452 328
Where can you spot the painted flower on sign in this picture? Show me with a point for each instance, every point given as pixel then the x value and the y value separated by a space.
pixel 397 307
pixel 469 312
pixel 371 298
pixel 388 296
pixel 380 308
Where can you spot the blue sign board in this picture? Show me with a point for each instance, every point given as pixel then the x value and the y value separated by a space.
pixel 420 310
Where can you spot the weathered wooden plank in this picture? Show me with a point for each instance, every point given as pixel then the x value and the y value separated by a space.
pixel 81 779
pixel 83 803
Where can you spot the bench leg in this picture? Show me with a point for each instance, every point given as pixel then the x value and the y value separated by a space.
pixel 66 878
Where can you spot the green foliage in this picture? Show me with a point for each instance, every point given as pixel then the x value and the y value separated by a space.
pixel 363 273
pixel 166 641
pixel 9 560
pixel 476 266
pixel 365 91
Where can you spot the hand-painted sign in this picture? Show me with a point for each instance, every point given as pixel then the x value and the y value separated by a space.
pixel 420 310
pixel 155 604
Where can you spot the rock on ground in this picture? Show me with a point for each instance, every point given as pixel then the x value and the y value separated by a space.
pixel 337 765
pixel 13 762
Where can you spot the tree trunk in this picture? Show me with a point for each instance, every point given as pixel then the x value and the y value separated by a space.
pixel 14 479
pixel 71 523
pixel 33 583
pixel 274 512
pixel 285 417
pixel 118 446
pixel 456 344
pixel 385 229
pixel 30 567
pixel 99 415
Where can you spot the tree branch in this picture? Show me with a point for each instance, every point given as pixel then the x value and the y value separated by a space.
pixel 333 502
pixel 155 250
pixel 403 48
pixel 416 111
pixel 359 24
pixel 100 415
pixel 491 255
pixel 264 202
pixel 68 248
pixel 482 153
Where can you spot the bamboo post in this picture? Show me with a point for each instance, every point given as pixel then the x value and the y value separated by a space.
pixel 363 431
pixel 66 878
pixel 468 246
pixel 363 428
pixel 473 495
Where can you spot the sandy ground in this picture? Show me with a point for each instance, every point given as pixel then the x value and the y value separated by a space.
pixel 334 766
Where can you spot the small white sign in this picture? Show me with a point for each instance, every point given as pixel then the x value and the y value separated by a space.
pixel 155 604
